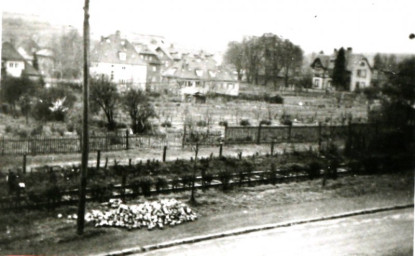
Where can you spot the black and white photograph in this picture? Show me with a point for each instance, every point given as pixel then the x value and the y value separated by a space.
pixel 196 127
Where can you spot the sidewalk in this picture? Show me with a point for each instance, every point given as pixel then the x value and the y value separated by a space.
pixel 247 230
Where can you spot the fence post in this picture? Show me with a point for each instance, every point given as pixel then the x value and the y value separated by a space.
pixel 272 147
pixel 226 131
pixel 319 136
pixel 184 136
pixel 106 162
pixel 123 183
pixel 289 131
pixel 24 163
pixel 164 153
pixel 4 145
pixel 258 140
pixel 98 158
pixel 80 142
pixel 106 141
pixel 126 139
pixel 220 148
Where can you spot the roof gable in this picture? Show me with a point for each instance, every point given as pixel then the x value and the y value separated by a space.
pixel 113 49
pixel 9 53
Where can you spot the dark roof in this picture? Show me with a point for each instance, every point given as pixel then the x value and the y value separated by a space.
pixel 30 46
pixel 30 70
pixel 195 68
pixel 9 53
pixel 327 61
pixel 109 48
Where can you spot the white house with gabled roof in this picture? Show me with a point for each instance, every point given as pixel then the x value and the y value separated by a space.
pixel 117 59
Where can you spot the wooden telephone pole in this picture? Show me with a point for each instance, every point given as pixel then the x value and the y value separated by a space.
pixel 85 139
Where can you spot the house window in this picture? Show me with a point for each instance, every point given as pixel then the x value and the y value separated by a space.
pixel 316 82
pixel 123 68
pixel 154 69
pixel 12 64
pixel 361 73
pixel 123 56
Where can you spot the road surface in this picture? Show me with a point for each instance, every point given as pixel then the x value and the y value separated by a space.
pixel 385 233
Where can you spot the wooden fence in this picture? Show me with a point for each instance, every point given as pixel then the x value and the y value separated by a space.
pixel 109 142
pixel 232 135
pixel 299 134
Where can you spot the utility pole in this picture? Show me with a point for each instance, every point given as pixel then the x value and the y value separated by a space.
pixel 85 139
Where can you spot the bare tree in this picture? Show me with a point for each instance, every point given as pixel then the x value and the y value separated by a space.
pixel 104 95
pixel 140 110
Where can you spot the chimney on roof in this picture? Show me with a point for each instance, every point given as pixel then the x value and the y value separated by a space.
pixel 118 34
pixel 321 52
pixel 335 51
pixel 349 49
pixel 102 38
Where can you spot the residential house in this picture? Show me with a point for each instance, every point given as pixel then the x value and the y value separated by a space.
pixel 199 75
pixel 357 66
pixel 45 62
pixel 27 49
pixel 153 64
pixel 13 64
pixel 116 58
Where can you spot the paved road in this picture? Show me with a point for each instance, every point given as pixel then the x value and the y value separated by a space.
pixel 385 233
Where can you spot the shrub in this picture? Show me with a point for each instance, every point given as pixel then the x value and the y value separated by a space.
pixel 161 183
pixel 313 170
pixel 355 166
pixel 272 175
pixel 5 108
pixel 101 191
pixel 186 179
pixel 286 119
pixel 223 123
pixel 70 127
pixel 22 133
pixel 166 124
pixel 207 178
pixel 145 184
pixel 37 131
pixel 277 99
pixel 201 123
pixel 8 128
pixel 244 122
pixel 265 122
pixel 225 177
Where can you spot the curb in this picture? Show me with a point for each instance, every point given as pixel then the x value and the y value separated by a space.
pixel 140 249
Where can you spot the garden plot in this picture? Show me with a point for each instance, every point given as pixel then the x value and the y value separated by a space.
pixel 302 110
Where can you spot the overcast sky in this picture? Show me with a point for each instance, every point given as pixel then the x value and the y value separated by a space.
pixel 367 26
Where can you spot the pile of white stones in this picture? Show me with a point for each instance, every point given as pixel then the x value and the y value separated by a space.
pixel 148 214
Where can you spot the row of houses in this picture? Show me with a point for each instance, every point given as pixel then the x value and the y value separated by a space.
pixel 151 66
pixel 138 62
pixel 146 63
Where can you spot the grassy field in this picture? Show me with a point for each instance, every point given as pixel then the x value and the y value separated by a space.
pixel 41 232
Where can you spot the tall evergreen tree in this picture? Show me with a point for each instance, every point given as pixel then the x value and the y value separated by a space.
pixel 340 76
